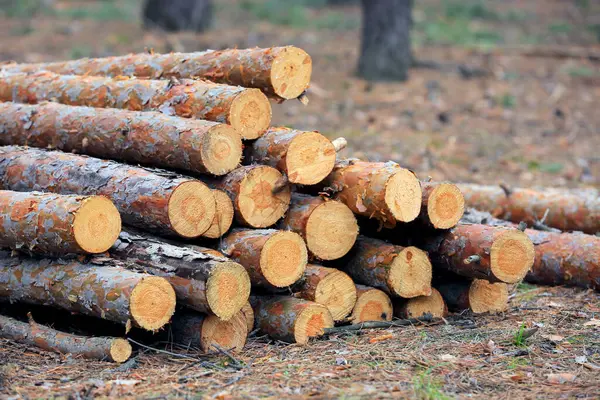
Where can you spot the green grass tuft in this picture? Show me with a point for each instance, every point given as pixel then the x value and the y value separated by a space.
pixel 518 339
pixel 426 387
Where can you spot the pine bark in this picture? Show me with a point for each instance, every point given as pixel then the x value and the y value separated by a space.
pixel 148 138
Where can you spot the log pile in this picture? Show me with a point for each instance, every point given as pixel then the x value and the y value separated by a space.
pixel 247 228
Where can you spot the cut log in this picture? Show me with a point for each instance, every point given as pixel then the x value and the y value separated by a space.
pixel 282 72
pixel 371 305
pixel 497 254
pixel 259 193
pixel 34 334
pixel 398 271
pixel 443 204
pixel 223 216
pixel 479 295
pixel 149 199
pixel 56 224
pixel 246 110
pixel 384 191
pixel 305 157
pixel 419 306
pixel 272 258
pixel 208 332
pixel 328 226
pixel 203 282
pixel 249 316
pixel 576 210
pixel 104 291
pixel 329 287
pixel 289 319
pixel 149 138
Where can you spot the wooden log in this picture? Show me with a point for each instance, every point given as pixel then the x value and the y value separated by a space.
pixel 419 306
pixel 272 258
pixel 223 216
pixel 289 319
pixel 104 291
pixel 443 204
pixel 305 157
pixel 34 334
pixel 248 111
pixel 157 200
pixel 371 305
pixel 149 138
pixel 56 224
pixel 497 254
pixel 282 72
pixel 208 332
pixel 567 210
pixel 259 194
pixel 248 313
pixel 328 227
pixel 478 295
pixel 203 282
pixel 384 191
pixel 329 287
pixel 398 271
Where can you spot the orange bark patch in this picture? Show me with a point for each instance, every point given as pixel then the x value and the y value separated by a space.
pixel 21 209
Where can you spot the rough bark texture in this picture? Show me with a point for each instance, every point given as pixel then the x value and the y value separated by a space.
pixel 138 137
pixel 34 334
pixel 178 15
pixel 568 210
pixel 141 196
pixel 385 46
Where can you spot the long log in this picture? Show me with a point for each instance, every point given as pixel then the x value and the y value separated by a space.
pixel 567 210
pixel 246 110
pixel 478 295
pixel 443 204
pixel 149 138
pixel 104 291
pixel 371 305
pixel 272 258
pixel 202 281
pixel 283 72
pixel 208 332
pixel 328 227
pixel 57 224
pixel 157 200
pixel 398 271
pixel 34 334
pixel 289 319
pixel 329 287
pixel 419 306
pixel 223 216
pixel 305 157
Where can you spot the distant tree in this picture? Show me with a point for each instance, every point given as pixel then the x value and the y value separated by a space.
pixel 178 15
pixel 385 52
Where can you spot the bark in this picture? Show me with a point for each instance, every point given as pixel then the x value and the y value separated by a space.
pixel 147 199
pixel 247 110
pixel 105 291
pixel 147 138
pixel 385 52
pixel 371 305
pixel 478 295
pixel 209 333
pixel 178 15
pixel 34 334
pixel 422 305
pixel 283 72
pixel 443 205
pixel 55 224
pixel 568 210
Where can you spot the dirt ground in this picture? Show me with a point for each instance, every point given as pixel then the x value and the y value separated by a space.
pixel 486 113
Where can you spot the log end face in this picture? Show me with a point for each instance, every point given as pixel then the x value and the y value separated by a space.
pixel 258 205
pixel 403 195
pixel 221 149
pixel 511 256
pixel 283 258
pixel 310 158
pixel 336 292
pixel 191 209
pixel 291 72
pixel 248 312
pixel 227 289
pixel 229 335
pixel 250 114
pixel 445 206
pixel 410 273
pixel 331 230
pixel 311 322
pixel 96 225
pixel 120 350
pixel 433 304
pixel 372 305
pixel 488 297
pixel 223 216
pixel 152 303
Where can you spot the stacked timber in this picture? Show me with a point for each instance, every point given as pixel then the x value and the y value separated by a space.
pixel 245 227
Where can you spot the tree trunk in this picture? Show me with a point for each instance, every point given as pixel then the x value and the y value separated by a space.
pixel 56 224
pixel 148 138
pixel 419 306
pixel 371 305
pixel 208 332
pixel 385 52
pixel 478 295
pixel 246 110
pixel 178 15
pixel 149 199
pixel 443 204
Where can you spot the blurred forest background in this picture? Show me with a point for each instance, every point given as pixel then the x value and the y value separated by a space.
pixel 499 90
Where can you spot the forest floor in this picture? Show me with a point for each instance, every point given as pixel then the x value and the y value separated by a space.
pixel 489 112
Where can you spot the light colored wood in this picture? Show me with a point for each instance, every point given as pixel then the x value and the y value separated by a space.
pixel 331 230
pixel 512 255
pixel 221 149
pixel 249 315
pixel 418 306
pixel 250 114
pixel 445 206
pixel 283 258
pixel 371 305
pixel 290 72
pixel 227 289
pixel 410 273
pixel 192 209
pixel 97 224
pixel 229 335
pixel 312 322
pixel 152 303
pixel 488 297
pixel 223 216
